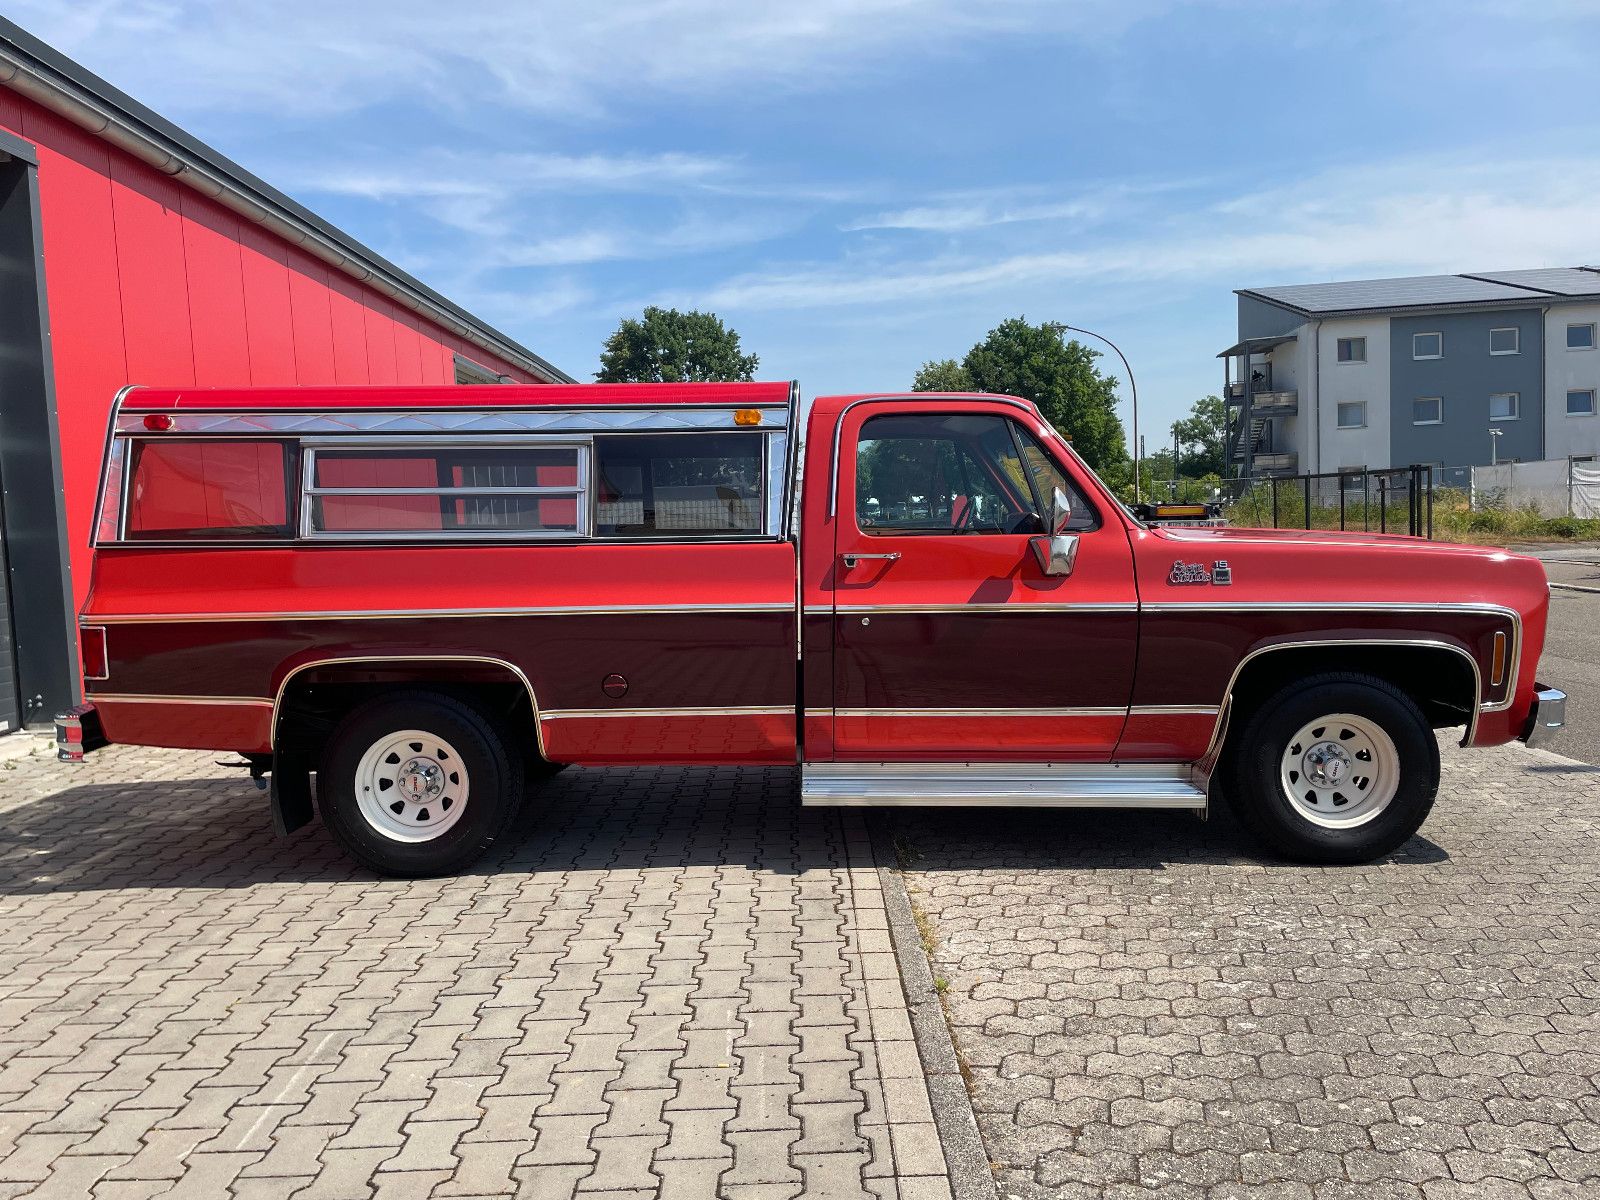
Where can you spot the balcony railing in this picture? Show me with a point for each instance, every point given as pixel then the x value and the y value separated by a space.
pixel 1268 404
pixel 1281 463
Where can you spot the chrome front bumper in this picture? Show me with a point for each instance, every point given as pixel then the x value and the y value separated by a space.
pixel 1549 714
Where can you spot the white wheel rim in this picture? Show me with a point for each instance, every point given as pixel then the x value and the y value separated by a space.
pixel 411 786
pixel 1340 770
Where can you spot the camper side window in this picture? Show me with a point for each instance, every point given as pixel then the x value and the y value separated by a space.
pixel 678 485
pixel 188 490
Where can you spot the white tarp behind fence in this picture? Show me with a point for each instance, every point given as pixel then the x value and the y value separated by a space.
pixel 1586 489
pixel 1555 487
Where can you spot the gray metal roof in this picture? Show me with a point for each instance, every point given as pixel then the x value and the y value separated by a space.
pixel 1257 344
pixel 1558 281
pixel 49 77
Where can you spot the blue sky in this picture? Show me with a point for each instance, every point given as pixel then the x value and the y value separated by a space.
pixel 858 186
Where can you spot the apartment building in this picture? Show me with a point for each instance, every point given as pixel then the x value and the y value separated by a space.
pixel 1449 370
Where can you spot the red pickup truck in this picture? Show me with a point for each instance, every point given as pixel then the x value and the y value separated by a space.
pixel 431 598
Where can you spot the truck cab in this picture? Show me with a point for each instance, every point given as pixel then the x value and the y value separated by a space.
pixel 426 600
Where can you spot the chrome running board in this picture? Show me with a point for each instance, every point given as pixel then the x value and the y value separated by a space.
pixel 1022 785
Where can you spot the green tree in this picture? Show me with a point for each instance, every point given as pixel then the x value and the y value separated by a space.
pixel 1203 439
pixel 668 346
pixel 945 375
pixel 1038 363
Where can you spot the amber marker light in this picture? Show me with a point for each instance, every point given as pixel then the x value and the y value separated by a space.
pixel 1497 664
pixel 157 422
pixel 747 416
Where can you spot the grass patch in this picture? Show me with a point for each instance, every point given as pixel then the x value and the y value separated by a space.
pixel 1493 522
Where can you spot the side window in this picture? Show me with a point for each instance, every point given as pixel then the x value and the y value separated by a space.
pixel 208 489
pixel 679 485
pixel 447 490
pixel 1048 476
pixel 948 473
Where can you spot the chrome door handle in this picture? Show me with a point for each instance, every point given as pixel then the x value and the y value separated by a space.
pixel 850 560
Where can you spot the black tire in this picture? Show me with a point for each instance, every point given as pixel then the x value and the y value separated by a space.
pixel 492 769
pixel 1254 771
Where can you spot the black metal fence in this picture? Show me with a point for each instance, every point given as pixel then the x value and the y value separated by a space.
pixel 1399 500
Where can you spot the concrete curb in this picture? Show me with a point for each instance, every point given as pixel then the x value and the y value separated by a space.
pixel 24 742
pixel 968 1162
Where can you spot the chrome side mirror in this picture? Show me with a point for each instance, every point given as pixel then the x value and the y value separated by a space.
pixel 1056 553
pixel 1057 550
pixel 1060 514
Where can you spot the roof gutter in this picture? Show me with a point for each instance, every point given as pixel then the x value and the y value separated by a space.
pixel 34 70
pixel 1532 300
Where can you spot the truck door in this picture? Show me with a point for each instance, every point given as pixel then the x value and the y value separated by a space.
pixel 950 641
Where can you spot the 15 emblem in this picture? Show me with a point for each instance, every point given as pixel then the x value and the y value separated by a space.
pixel 1219 573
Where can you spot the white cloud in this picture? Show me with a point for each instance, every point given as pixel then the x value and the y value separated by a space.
pixel 692 236
pixel 961 212
pixel 570 56
pixel 1414 217
pixel 450 174
pixel 960 217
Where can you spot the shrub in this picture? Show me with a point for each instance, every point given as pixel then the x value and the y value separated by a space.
pixel 1489 520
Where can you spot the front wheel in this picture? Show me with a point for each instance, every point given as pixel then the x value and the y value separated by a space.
pixel 1334 769
pixel 418 784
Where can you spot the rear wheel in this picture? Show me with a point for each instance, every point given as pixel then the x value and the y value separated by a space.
pixel 1335 769
pixel 418 784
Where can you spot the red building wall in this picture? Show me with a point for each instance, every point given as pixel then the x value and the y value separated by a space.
pixel 150 282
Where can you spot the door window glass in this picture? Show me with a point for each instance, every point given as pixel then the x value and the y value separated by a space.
pixel 1048 476
pixel 946 473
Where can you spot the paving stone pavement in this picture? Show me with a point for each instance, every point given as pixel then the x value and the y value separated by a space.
pixel 1148 1010
pixel 668 983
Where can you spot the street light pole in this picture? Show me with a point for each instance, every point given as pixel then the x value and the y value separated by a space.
pixel 1132 387
pixel 1494 445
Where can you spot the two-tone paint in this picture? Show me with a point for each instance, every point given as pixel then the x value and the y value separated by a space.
pixel 960 649
pixel 816 640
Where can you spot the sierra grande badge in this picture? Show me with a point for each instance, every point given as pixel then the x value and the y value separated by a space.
pixel 1219 573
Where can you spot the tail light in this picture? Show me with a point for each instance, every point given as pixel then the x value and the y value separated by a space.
pixel 92 645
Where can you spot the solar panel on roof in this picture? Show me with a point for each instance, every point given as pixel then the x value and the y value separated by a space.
pixel 1563 281
pixel 1410 292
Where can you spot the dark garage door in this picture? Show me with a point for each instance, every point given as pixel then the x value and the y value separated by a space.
pixel 9 710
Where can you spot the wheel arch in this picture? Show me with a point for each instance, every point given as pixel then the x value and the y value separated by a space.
pixel 360 675
pixel 1441 676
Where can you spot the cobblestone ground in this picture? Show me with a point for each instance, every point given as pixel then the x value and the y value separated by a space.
pixel 1148 1011
pixel 670 982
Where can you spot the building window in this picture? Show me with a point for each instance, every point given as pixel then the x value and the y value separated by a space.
pixel 1353 350
pixel 1505 341
pixel 468 371
pixel 1427 345
pixel 447 490
pixel 1353 414
pixel 1427 410
pixel 1505 406
pixel 1580 337
pixel 1580 403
